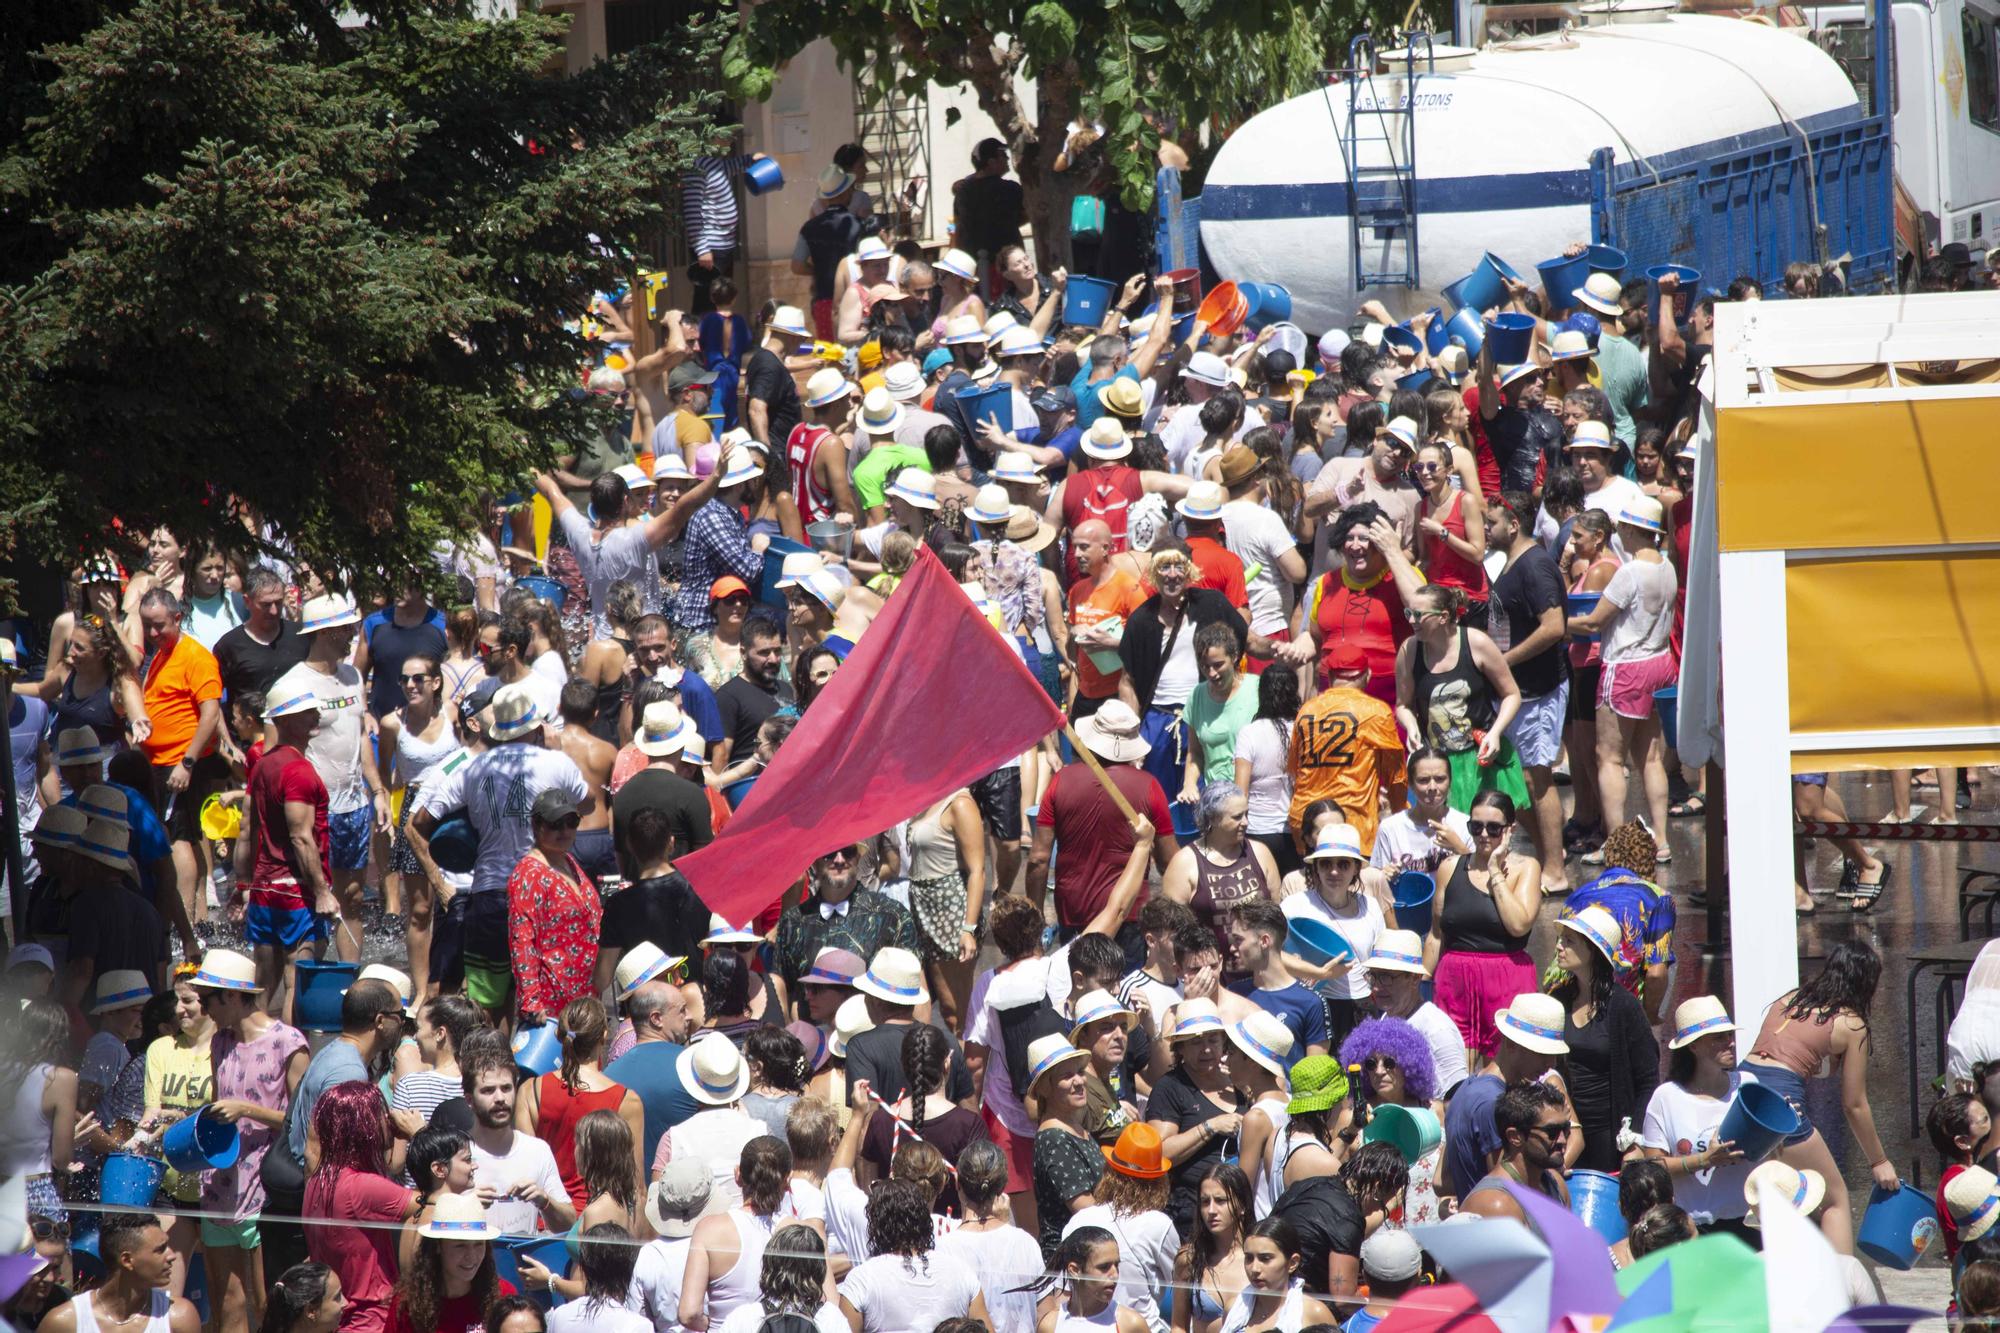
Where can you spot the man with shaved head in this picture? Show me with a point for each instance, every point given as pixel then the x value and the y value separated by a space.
pixel 1107 590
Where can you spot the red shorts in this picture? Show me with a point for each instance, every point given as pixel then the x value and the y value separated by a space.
pixel 1020 1150
pixel 1259 664
pixel 1627 688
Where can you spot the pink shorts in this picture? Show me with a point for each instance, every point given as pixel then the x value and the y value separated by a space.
pixel 1627 688
pixel 1472 987
pixel 1020 1150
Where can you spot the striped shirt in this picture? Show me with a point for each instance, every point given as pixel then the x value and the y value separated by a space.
pixel 708 203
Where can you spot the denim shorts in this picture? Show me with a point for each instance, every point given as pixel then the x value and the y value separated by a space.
pixel 1790 1086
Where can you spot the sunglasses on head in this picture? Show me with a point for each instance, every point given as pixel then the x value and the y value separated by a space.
pixel 1486 828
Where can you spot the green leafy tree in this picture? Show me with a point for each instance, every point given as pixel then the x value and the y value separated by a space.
pixel 258 267
pixel 1189 69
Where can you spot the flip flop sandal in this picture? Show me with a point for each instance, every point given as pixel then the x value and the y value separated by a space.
pixel 1695 804
pixel 1866 895
pixel 1663 856
pixel 1593 857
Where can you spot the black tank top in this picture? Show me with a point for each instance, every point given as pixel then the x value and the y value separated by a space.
pixel 1472 919
pixel 1453 703
pixel 93 710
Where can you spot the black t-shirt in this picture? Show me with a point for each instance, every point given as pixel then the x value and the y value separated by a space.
pixel 991 210
pixel 1518 440
pixel 1524 590
pixel 1328 1222
pixel 389 646
pixel 1178 1101
pixel 246 664
pixel 117 929
pixel 685 804
pixel 664 910
pixel 744 706
pixel 766 378
pixel 830 238
pixel 877 1055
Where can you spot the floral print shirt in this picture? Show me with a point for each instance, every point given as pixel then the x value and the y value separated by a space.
pixel 552 930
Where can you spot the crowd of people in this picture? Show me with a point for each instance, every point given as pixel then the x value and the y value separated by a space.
pixel 1180 1024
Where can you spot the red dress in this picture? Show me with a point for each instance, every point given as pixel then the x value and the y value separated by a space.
pixel 551 935
pixel 555 1125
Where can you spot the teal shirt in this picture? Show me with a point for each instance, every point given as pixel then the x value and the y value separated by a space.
pixel 1215 725
pixel 1621 368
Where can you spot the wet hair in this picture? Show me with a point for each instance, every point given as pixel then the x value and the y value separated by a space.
pixel 1595 522
pixel 1202 1253
pixel 810 1128
pixel 1596 404
pixel 607 1257
pixel 1631 847
pixel 291 1297
pixel 484 1050
pixel 1411 403
pixel 766 1168
pixel 1846 981
pixel 942 444
pixel 1642 1184
pixel 1219 415
pixel 120 1234
pixel 352 1122
pixel 1016 924
pixel 1399 1041
pixel 605 1160
pixel 925 1053
pixel 899 1219
pixel 1097 958
pixel 1364 422
pixel 1282 1233
pixel 1441 596
pixel 1162 913
pixel 1658 1227
pixel 1950 1118
pixel 649 834
pixel 1374 1173
pixel 955 556
pixel 582 1031
pixel 725 982
pixel 1426 754
pixel 506 1307
pixel 421 1290
pixel 982 1174
pixel 1192 939
pixel 577 702
pixel 793 1278
pixel 1217 634
pixel 779 1056
pixel 431 1147
pixel 760 627
pixel 1074 1252
pixel 1494 799
pixel 607 497
pixel 1215 797
pixel 920 1164
pixel 1520 1107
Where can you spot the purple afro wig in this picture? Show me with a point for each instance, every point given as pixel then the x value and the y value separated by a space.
pixel 1400 1042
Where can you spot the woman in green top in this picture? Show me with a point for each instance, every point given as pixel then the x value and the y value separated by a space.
pixel 1223 706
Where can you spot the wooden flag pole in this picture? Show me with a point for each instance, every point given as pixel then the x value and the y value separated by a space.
pixel 1117 796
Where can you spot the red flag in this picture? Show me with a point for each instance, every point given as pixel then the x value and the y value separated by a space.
pixel 931 698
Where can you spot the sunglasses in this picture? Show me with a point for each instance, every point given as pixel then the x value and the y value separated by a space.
pixel 44 1229
pixel 1416 615
pixel 1375 1062
pixel 488 649
pixel 568 823
pixel 1559 1130
pixel 841 857
pixel 419 678
pixel 1486 828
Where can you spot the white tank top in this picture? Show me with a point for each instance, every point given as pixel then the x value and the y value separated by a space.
pixel 1270 1182
pixel 156 1313
pixel 24 1129
pixel 416 756
pixel 1107 1318
pixel 1290 1314
pixel 742 1284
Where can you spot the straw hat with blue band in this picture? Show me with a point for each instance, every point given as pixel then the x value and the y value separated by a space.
pixel 1398 951
pixel 1098 1005
pixel 640 964
pixel 1973 1201
pixel 396 980
pixel 120 988
pixel 60 826
pixel 225 969
pixel 514 714
pixel 833 967
pixel 957 263
pixel 1047 1054
pixel 990 505
pixel 458 1217
pixel 103 801
pixel 895 977
pixel 1534 1022
pixel 963 331
pixel 738 466
pixel 790 320
pixel 713 1071
pixel 79 745
pixel 827 386
pixel 914 486
pixel 1203 502
pixel 1194 1018
pixel 107 842
pixel 1696 1018
pixel 1645 513
pixel 1265 1039
pixel 1597 925
pixel 1510 374
pixel 1806 1190
pixel 849 1022
pixel 329 611
pixel 721 932
pixel 306 702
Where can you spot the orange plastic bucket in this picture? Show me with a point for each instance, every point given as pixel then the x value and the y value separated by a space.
pixel 1224 309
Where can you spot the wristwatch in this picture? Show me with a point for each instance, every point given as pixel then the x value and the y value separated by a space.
pixel 187 762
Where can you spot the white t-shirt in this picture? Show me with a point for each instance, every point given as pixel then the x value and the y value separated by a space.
pixel 498 790
pixel 1023 984
pixel 1182 434
pixel 1178 672
pixel 1147 1243
pixel 750 1318
pixel 1447 1045
pixel 1259 537
pixel 1270 794
pixel 588 1316
pixel 804 1202
pixel 340 746
pixel 622 553
pixel 1614 496
pixel 656 1281
pixel 899 1294
pixel 1004 1258
pixel 1644 591
pixel 1359 926
pixel 530 1159
pixel 551 664
pixel 846 1215
pixel 1401 845
pixel 715 1136
pixel 1144 995
pixel 1679 1123
pixel 546 691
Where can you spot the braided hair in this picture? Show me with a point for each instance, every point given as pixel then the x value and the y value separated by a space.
pixel 924 1054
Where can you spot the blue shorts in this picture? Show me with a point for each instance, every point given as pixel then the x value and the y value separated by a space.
pixel 1792 1088
pixel 349 832
pixel 284 927
pixel 1537 732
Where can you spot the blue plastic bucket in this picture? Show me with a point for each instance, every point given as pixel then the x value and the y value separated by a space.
pixel 1561 276
pixel 1315 941
pixel 1758 1121
pixel 201 1142
pixel 1606 259
pixel 1898 1227
pixel 1436 336
pixel 545 589
pixel 455 845
pixel 1512 338
pixel 131 1181
pixel 1582 604
pixel 736 791
pixel 774 568
pixel 1593 1197
pixel 1465 329
pixel 1482 289
pixel 1400 337
pixel 316 992
pixel 1085 300
pixel 1270 303
pixel 1415 380
pixel 538 1049
pixel 1414 891
pixel 1668 701
pixel 551 1252
pixel 994 403
pixel 764 176
pixel 1683 295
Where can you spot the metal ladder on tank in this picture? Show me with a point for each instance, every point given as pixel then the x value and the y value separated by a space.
pixel 1378 147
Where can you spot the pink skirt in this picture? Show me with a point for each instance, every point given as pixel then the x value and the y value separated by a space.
pixel 1472 987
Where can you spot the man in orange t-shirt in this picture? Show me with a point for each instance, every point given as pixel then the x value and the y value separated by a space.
pixel 1105 592
pixel 189 747
pixel 1216 566
pixel 1345 748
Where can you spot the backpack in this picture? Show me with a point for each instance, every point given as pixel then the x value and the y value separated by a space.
pixel 1086 218
pixel 787 1323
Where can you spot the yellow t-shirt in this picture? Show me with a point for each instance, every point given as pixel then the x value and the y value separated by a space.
pixel 179 1077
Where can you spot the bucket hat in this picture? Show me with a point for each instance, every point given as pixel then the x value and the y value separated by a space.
pixel 827 386
pixel 1106 439
pixel 514 713
pixel 1137 1153
pixel 458 1217
pixel 849 1022
pixel 1696 1018
pixel 225 969
pixel 1807 1190
pixel 881 414
pixel 1599 293
pixel 713 1070
pixel 1337 842
pixel 679 1197
pixel 30 955
pixel 328 611
pixel 1263 1037
pixel 1112 733
pixel 1318 1084
pixel 1096 1006
pixel 1398 951
pixel 1534 1022
pixel 894 976
pixel 1598 926
pixel 120 988
pixel 1203 502
pixel 640 964
pixel 914 486
pixel 1194 1018
pixel 79 745
pixel 1643 512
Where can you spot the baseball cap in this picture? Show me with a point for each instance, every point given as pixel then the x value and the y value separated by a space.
pixel 727 586
pixel 1344 657
pixel 22 955
pixel 935 360
pixel 480 698
pixel 686 373
pixel 1055 398
pixel 552 805
pixel 1391 1255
